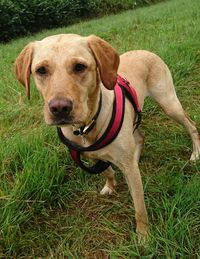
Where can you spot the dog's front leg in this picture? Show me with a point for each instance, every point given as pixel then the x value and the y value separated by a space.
pixel 133 178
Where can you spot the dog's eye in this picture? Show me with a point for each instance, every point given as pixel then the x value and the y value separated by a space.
pixel 78 68
pixel 41 71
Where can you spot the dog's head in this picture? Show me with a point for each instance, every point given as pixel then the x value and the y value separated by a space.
pixel 67 70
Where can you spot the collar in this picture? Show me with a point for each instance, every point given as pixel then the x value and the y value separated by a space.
pixel 84 130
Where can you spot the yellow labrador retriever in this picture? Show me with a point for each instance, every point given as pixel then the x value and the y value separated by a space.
pixel 72 71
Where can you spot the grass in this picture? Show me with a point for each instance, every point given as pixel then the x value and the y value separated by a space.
pixel 51 209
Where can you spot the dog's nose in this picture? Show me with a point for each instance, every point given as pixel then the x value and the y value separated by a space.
pixel 60 107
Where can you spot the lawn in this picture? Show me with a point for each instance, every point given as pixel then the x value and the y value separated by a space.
pixel 51 209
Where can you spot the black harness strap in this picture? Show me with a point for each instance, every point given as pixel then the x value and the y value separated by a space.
pixel 122 89
pixel 98 168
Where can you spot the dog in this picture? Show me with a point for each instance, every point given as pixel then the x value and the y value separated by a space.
pixel 71 72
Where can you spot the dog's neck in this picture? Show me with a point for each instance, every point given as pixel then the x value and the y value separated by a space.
pixel 105 112
pixel 93 116
pixel 101 121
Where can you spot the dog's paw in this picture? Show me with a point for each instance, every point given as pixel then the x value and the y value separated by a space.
pixel 106 190
pixel 195 154
pixel 143 235
pixel 143 238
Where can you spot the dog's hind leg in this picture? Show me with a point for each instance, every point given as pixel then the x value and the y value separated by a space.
pixel 164 93
pixel 110 181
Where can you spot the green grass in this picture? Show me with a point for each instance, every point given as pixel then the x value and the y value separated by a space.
pixel 51 209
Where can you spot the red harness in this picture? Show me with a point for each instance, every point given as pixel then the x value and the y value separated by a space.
pixel 122 89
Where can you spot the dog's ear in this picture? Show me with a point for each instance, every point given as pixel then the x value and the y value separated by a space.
pixel 107 60
pixel 23 67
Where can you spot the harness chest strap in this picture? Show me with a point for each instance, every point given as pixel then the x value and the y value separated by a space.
pixel 122 89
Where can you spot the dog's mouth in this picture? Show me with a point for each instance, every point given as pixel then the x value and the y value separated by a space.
pixel 64 122
pixel 61 122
